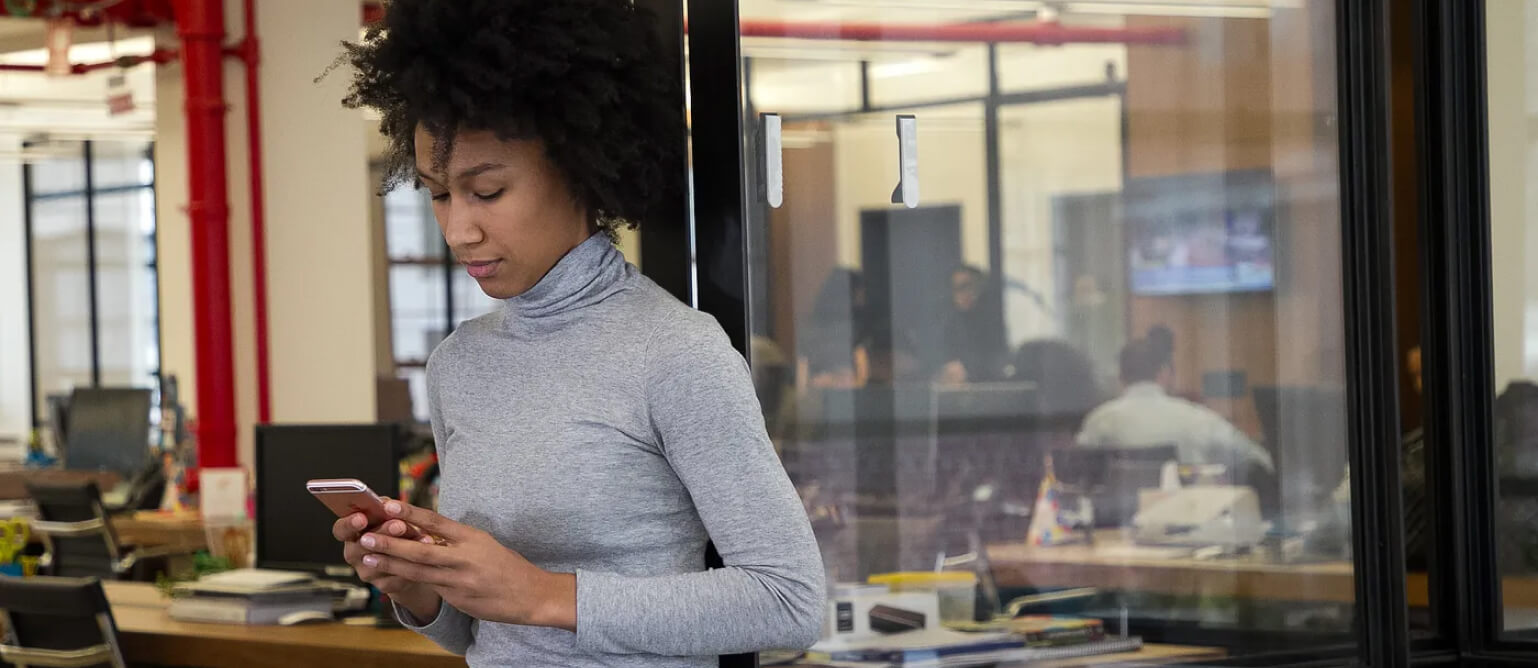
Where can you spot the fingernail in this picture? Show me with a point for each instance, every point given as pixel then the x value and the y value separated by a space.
pixel 393 508
pixel 427 540
pixel 370 560
pixel 358 522
pixel 367 541
pixel 397 528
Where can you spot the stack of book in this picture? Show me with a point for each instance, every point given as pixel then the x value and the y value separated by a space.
pixel 1020 640
pixel 252 596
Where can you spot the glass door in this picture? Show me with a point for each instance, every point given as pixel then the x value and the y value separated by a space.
pixel 1048 296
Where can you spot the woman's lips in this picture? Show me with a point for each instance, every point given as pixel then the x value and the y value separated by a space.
pixel 480 270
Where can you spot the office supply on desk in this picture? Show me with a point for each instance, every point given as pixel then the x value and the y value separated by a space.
pixel 849 613
pixel 14 536
pixel 914 646
pixel 293 532
pixel 1204 516
pixel 57 622
pixel 252 596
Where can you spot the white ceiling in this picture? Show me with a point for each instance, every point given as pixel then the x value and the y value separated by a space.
pixel 32 103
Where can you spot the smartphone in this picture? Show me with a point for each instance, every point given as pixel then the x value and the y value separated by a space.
pixel 345 496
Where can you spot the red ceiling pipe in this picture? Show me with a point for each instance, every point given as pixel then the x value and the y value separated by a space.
pixel 132 13
pixel 249 52
pixel 1036 32
pixel 158 56
pixel 200 23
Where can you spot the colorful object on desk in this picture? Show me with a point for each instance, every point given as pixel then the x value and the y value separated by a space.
pixel 14 534
pixel 1048 527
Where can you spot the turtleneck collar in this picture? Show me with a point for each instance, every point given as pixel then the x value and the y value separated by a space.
pixel 587 275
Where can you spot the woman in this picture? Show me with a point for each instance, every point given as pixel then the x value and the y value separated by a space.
pixel 594 433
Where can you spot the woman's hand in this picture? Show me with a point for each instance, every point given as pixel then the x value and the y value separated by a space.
pixel 420 599
pixel 470 570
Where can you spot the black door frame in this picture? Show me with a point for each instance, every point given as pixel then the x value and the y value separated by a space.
pixel 720 213
pixel 1452 118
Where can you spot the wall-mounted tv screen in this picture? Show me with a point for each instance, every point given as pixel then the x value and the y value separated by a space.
pixel 1201 233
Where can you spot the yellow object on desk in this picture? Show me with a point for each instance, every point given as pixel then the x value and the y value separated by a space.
pixel 14 535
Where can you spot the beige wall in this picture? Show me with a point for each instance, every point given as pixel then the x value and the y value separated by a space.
pixel 1512 38
pixel 320 246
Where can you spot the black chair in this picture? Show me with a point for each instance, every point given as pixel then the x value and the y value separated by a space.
pixel 62 622
pixel 78 535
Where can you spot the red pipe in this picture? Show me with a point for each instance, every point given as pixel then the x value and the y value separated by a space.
pixel 158 56
pixel 1038 32
pixel 200 24
pixel 249 51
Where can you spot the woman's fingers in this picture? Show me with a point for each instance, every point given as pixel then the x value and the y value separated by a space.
pixel 428 575
pixel 349 527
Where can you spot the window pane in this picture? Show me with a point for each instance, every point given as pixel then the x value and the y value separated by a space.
pixel 126 319
pixel 1100 349
pixel 60 298
pixel 115 164
pixel 1512 60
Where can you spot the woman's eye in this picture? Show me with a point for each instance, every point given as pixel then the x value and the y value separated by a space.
pixel 490 196
pixel 440 197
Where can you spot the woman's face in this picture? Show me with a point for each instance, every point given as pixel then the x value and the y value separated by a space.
pixel 504 209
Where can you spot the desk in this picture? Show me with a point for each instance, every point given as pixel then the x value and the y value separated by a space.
pixel 14 477
pixel 149 635
pixel 150 528
pixel 1112 563
pixel 153 529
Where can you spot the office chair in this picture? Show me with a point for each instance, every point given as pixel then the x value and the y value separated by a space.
pixel 60 622
pixel 78 535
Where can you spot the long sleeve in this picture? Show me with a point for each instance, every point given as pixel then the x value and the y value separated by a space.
pixel 770 594
pixel 451 629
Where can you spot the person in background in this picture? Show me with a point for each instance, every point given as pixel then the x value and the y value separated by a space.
pixel 1063 376
pixel 834 338
pixel 1145 415
pixel 594 433
pixel 975 347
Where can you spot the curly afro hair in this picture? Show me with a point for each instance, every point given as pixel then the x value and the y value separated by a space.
pixel 586 77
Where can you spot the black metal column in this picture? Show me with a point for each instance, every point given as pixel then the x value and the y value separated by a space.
pixel 719 186
pixel 665 254
pixel 26 241
pixel 1371 382
pixel 90 263
pixel 1458 332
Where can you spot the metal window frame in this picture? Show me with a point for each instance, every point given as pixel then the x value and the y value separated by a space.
pixel 1452 132
pixel 88 193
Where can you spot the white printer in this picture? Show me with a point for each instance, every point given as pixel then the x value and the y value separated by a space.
pixel 1202 516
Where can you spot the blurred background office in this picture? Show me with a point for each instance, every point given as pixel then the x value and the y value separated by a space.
pixel 1052 293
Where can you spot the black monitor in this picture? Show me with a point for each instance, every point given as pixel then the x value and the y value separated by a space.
pixel 1305 430
pixel 108 429
pixel 293 530
pixel 1112 477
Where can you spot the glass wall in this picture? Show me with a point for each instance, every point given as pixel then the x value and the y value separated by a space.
pixel 94 287
pixel 1055 299
pixel 1512 60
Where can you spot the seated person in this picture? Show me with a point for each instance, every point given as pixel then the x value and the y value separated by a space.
pixel 1145 415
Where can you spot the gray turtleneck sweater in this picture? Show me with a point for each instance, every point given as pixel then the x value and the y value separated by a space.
pixel 597 426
